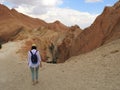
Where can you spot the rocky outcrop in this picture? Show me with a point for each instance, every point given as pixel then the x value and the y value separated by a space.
pixel 105 28
pixel 69 44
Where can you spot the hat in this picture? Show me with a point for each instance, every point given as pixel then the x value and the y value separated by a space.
pixel 34 45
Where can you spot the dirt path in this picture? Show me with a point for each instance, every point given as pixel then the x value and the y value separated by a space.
pixel 97 70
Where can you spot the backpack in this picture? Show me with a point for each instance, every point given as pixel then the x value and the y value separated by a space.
pixel 34 57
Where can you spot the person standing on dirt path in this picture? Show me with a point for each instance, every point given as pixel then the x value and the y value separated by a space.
pixel 34 62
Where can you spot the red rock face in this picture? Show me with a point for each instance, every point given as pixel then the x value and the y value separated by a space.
pixel 105 28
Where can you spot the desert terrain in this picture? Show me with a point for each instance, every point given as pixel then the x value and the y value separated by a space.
pixel 96 70
pixel 87 59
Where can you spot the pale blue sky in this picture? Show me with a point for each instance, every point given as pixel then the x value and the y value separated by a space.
pixel 69 12
pixel 91 7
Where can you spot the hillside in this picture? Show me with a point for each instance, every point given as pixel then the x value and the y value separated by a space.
pixel 105 28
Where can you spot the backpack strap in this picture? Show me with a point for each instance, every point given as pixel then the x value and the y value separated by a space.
pixel 32 53
pixel 36 51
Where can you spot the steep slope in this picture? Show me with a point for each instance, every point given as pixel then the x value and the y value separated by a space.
pixel 6 13
pixel 105 28
pixel 13 22
pixel 27 21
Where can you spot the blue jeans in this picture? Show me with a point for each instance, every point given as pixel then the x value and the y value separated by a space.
pixel 34 72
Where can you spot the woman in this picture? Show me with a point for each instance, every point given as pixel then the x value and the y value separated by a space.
pixel 34 65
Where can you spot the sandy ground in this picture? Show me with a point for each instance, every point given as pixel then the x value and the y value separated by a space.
pixel 97 70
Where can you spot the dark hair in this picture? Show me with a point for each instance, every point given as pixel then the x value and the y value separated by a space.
pixel 33 47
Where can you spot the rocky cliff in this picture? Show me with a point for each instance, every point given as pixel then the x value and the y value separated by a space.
pixel 105 28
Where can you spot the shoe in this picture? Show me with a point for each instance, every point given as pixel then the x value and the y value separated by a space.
pixel 33 83
pixel 37 81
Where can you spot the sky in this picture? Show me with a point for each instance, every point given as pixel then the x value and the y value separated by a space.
pixel 69 12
